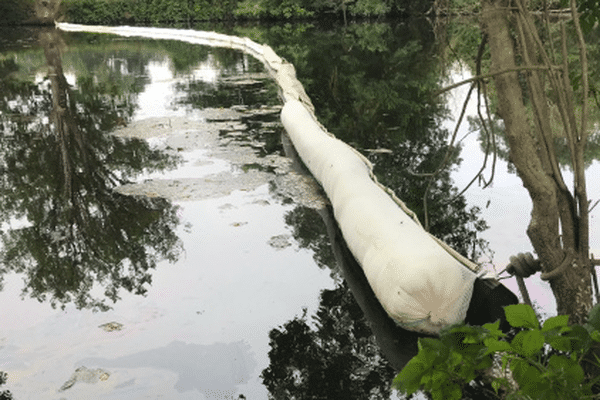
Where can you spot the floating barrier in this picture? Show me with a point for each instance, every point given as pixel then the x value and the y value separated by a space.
pixel 418 282
pixel 421 283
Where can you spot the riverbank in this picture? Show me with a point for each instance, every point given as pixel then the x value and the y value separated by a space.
pixel 146 12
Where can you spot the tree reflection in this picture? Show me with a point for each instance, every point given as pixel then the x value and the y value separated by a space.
pixel 334 357
pixel 372 86
pixel 4 394
pixel 59 170
pixel 308 230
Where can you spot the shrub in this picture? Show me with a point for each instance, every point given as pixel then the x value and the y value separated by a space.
pixel 538 362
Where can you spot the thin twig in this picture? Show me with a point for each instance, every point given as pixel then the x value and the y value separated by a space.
pixel 584 70
pixel 493 74
pixel 593 206
pixel 446 157
pixel 493 134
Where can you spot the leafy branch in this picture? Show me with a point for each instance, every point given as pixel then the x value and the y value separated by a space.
pixel 547 361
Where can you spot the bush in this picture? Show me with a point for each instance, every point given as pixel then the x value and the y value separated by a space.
pixel 97 12
pixel 111 12
pixel 536 363
pixel 13 12
pixel 272 9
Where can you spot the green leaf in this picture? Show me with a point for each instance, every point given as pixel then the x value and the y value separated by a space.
pixel 580 339
pixel 522 370
pixel 438 394
pixel 521 316
pixel 455 359
pixel 454 392
pixel 528 343
pixel 485 363
pixel 595 336
pixel 467 333
pixel 428 356
pixel 594 317
pixel 438 379
pixel 570 369
pixel 494 330
pixel 528 377
pixel 496 384
pixel 408 380
pixel 449 391
pixel 533 341
pixel 495 345
pixel 555 322
pixel 432 351
pixel 558 342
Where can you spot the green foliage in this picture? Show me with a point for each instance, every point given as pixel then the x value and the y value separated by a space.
pixel 370 8
pixel 97 12
pixel 272 9
pixel 464 6
pixel 111 12
pixel 590 14
pixel 536 363
pixel 15 11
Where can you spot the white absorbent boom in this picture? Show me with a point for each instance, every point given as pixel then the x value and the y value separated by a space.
pixel 421 283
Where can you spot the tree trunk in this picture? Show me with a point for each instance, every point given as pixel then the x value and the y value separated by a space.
pixel 556 223
pixel 46 11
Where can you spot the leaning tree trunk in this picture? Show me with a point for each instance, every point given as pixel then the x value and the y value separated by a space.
pixel 558 229
pixel 46 11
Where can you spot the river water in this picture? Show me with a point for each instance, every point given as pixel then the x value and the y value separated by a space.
pixel 197 249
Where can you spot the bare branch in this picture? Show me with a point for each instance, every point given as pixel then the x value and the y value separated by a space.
pixel 584 70
pixel 496 73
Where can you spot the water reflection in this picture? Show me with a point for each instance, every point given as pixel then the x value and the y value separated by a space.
pixel 74 220
pixel 372 85
pixel 59 170
pixel 214 370
pixel 337 358
pixel 349 348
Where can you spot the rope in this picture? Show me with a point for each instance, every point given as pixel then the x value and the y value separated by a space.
pixel 567 262
pixel 523 265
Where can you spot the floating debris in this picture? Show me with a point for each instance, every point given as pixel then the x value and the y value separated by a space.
pixel 301 189
pixel 261 202
pixel 111 326
pixel 83 374
pixel 280 242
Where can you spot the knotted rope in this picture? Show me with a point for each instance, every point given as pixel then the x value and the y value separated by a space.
pixel 523 265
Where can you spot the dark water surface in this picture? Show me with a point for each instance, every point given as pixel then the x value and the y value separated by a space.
pixel 161 240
